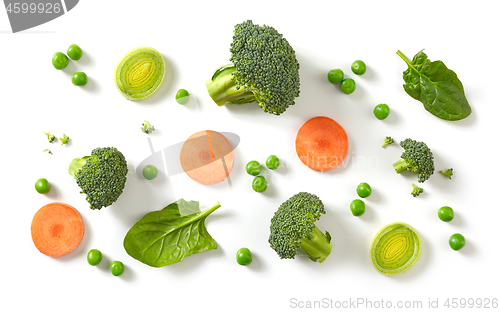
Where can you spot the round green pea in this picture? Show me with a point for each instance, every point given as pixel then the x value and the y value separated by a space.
pixel 94 257
pixel 117 268
pixel 358 67
pixel 60 60
pixel 79 79
pixel 364 190
pixel 253 168
pixel 357 207
pixel 457 241
pixel 244 256
pixel 381 111
pixel 42 186
pixel 348 85
pixel 182 97
pixel 272 162
pixel 335 75
pixel 150 172
pixel 75 52
pixel 259 184
pixel 446 214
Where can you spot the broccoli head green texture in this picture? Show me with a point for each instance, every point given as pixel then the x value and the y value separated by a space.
pixel 293 231
pixel 417 157
pixel 263 69
pixel 101 176
pixel 416 190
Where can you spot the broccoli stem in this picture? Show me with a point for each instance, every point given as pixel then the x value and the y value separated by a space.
pixel 317 245
pixel 223 89
pixel 400 166
pixel 77 164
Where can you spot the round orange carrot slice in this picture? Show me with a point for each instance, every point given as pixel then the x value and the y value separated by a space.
pixel 321 143
pixel 207 157
pixel 57 229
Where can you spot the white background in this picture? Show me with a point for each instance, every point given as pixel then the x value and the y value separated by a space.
pixel 194 38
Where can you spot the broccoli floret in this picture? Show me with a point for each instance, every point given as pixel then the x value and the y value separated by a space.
pixel 47 150
pixel 293 230
pixel 101 176
pixel 417 157
pixel 64 139
pixel 416 190
pixel 447 173
pixel 50 137
pixel 264 69
pixel 387 141
pixel 147 127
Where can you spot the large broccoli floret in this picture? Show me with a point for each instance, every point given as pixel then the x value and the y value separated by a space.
pixel 417 157
pixel 101 176
pixel 264 69
pixel 293 231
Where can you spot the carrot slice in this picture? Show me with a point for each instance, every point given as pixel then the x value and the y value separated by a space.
pixel 57 229
pixel 321 143
pixel 207 157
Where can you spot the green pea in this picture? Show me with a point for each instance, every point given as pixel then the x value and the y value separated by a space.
pixel 79 79
pixel 348 85
pixel 94 257
pixel 364 190
pixel 446 214
pixel 244 256
pixel 457 241
pixel 357 207
pixel 60 60
pixel 381 111
pixel 335 75
pixel 42 186
pixel 259 184
pixel 358 67
pixel 75 52
pixel 117 268
pixel 150 172
pixel 253 168
pixel 182 97
pixel 272 162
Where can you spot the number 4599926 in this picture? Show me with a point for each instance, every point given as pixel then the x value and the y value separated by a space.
pixel 478 303
pixel 32 8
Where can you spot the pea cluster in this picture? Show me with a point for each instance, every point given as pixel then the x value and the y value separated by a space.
pixel 60 61
pixel 253 168
pixel 358 206
pixel 347 85
pixel 457 240
pixel 94 257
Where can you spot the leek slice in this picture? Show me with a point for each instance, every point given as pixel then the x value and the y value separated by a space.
pixel 139 73
pixel 395 249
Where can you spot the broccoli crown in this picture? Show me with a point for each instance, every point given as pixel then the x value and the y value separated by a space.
pixel 147 127
pixel 293 225
pixel 266 65
pixel 102 176
pixel 50 137
pixel 416 190
pixel 388 140
pixel 418 158
pixel 64 139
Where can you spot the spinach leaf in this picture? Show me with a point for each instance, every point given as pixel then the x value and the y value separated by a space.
pixel 436 86
pixel 164 237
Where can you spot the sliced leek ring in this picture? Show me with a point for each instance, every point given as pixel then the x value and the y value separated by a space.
pixel 395 249
pixel 139 73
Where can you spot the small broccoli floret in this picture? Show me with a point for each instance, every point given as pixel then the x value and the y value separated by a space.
pixel 387 141
pixel 417 157
pixel 448 173
pixel 264 69
pixel 101 176
pixel 64 139
pixel 416 190
pixel 147 127
pixel 293 231
pixel 50 137
pixel 47 150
